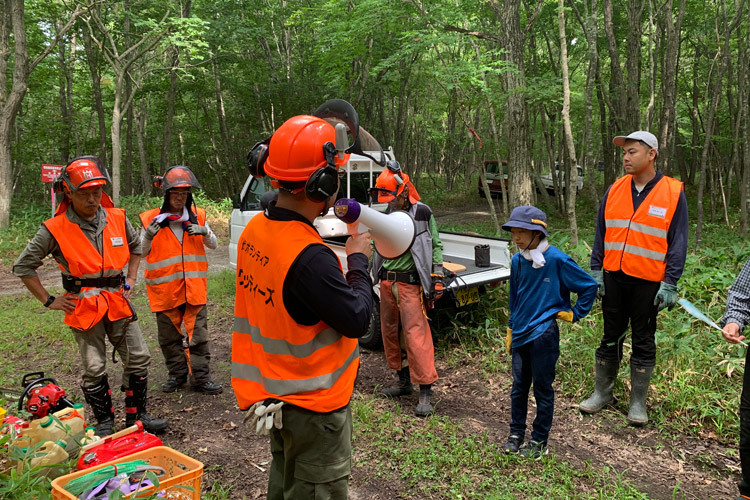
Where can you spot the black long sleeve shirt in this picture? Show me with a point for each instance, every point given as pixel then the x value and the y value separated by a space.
pixel 316 290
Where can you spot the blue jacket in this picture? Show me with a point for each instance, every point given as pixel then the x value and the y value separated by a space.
pixel 536 295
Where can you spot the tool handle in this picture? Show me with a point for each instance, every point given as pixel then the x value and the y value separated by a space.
pixel 138 426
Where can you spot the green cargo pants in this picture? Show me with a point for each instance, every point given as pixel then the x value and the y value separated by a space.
pixel 312 455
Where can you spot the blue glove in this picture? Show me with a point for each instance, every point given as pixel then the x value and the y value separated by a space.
pixel 598 276
pixel 666 296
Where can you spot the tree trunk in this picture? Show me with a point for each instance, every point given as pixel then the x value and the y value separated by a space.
pixel 65 92
pixel 10 102
pixel 140 128
pixel 166 140
pixel 571 177
pixel 744 91
pixel 617 92
pixel 669 84
pixel 93 58
pixel 516 111
pixel 633 65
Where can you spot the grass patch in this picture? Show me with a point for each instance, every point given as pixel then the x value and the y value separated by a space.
pixel 435 457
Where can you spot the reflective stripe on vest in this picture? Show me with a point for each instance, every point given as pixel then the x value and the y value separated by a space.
pixel 175 271
pixel 83 260
pixel 636 241
pixel 310 366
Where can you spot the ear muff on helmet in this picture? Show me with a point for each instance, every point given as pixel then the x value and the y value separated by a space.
pixel 158 181
pixel 256 158
pixel 324 182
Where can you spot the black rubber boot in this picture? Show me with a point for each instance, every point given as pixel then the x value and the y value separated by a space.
pixel 135 405
pixel 640 378
pixel 606 372
pixel 424 407
pixel 403 388
pixel 99 397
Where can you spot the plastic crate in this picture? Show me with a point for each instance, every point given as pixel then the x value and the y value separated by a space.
pixel 180 470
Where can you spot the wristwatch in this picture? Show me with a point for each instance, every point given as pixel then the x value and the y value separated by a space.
pixel 50 300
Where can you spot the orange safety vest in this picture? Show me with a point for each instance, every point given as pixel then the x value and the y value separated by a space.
pixel 84 261
pixel 273 356
pixel 636 241
pixel 175 272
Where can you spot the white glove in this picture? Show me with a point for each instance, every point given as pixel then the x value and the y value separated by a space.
pixel 152 229
pixel 195 229
pixel 263 417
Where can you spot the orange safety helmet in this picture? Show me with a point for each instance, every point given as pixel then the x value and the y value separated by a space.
pixel 177 176
pixel 388 186
pixel 82 172
pixel 297 149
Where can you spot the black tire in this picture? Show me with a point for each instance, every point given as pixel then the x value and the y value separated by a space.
pixel 373 339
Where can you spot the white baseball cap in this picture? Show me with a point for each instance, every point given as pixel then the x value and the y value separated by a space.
pixel 641 135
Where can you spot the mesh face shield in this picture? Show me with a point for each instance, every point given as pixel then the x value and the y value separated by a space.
pixel 178 176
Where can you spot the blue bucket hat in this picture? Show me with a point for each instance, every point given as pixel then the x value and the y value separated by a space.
pixel 527 217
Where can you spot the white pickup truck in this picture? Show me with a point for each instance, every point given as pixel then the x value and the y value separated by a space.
pixel 362 172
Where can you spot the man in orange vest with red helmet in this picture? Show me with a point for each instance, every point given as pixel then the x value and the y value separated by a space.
pixel 295 353
pixel 638 255
pixel 92 243
pixel 407 283
pixel 173 239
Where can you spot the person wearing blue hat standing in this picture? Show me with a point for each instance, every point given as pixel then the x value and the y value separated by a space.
pixel 541 280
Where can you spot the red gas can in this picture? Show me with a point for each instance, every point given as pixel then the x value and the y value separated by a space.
pixel 120 444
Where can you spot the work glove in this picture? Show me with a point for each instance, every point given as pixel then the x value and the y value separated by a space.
pixel 262 418
pixel 666 296
pixel 152 229
pixel 436 288
pixel 565 316
pixel 195 229
pixel 598 276
pixel 508 339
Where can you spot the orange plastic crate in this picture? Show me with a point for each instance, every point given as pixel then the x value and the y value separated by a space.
pixel 180 470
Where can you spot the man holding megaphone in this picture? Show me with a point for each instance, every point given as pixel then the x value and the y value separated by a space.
pixel 295 353
pixel 406 283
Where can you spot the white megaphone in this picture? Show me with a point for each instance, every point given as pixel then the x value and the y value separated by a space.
pixel 392 233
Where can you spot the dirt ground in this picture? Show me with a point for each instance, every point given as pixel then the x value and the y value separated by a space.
pixel 210 429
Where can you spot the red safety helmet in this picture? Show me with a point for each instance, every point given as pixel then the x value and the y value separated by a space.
pixel 82 172
pixel 297 149
pixel 177 176
pixel 388 186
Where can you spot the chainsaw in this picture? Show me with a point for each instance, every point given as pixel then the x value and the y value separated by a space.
pixel 43 399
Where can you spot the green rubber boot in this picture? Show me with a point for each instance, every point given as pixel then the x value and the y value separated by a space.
pixel 606 372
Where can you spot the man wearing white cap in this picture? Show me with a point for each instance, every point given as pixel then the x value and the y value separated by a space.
pixel 638 256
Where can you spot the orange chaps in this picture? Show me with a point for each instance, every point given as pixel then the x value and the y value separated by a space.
pixel 404 302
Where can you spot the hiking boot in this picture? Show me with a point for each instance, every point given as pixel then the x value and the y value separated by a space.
pixel 606 372
pixel 208 387
pixel 172 384
pixel 535 450
pixel 513 444
pixel 424 407
pixel 403 388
